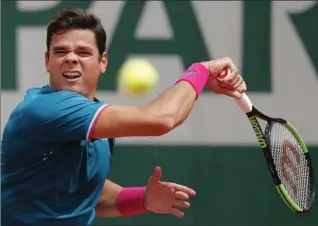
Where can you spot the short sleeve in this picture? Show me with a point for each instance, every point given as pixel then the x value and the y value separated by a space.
pixel 60 116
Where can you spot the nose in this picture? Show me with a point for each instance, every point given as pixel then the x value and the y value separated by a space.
pixel 71 58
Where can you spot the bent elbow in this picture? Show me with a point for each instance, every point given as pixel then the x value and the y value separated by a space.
pixel 164 127
pixel 165 123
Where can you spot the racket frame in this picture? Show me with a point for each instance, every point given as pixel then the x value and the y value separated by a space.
pixel 267 151
pixel 248 108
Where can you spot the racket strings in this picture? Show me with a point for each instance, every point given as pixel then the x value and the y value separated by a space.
pixel 291 165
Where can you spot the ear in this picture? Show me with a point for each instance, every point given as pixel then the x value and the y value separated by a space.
pixel 47 61
pixel 103 62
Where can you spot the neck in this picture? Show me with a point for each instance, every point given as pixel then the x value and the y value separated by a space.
pixel 89 96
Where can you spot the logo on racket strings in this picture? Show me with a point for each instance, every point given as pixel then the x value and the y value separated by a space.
pixel 290 171
pixel 258 132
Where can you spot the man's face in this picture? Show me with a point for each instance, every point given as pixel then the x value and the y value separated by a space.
pixel 73 62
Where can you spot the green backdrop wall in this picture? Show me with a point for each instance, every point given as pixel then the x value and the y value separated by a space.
pixel 233 185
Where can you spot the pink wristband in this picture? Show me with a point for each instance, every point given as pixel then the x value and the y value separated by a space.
pixel 130 201
pixel 197 75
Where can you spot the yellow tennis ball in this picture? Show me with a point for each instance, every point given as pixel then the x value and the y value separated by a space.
pixel 137 77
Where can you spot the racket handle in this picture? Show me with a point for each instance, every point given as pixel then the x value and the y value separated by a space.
pixel 244 103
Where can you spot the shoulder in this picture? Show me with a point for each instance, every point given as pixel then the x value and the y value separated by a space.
pixel 44 102
pixel 46 95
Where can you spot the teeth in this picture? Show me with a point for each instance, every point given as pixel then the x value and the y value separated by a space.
pixel 71 74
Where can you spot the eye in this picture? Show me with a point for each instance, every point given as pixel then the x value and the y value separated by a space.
pixel 60 52
pixel 84 53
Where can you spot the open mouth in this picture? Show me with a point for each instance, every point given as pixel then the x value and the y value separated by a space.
pixel 71 75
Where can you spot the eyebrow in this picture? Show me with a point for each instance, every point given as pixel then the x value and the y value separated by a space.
pixel 56 48
pixel 85 48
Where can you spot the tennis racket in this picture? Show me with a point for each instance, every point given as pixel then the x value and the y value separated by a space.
pixel 286 155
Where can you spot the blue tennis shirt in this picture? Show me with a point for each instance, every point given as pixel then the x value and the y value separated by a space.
pixel 52 172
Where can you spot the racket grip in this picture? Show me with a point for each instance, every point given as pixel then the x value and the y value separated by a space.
pixel 244 103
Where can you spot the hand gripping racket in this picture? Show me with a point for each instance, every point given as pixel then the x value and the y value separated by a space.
pixel 286 154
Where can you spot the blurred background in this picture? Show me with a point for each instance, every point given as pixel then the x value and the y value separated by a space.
pixel 274 44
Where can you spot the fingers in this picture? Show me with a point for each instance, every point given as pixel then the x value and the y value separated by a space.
pixel 156 175
pixel 237 89
pixel 228 63
pixel 242 88
pixel 176 212
pixel 235 82
pixel 181 204
pixel 232 81
pixel 215 67
pixel 233 85
pixel 232 93
pixel 181 195
pixel 235 94
pixel 184 189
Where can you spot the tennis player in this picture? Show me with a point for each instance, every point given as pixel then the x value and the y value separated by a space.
pixel 58 141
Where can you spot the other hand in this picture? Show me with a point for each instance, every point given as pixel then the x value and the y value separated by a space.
pixel 165 197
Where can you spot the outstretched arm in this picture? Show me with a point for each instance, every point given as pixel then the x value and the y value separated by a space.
pixel 159 117
pixel 170 108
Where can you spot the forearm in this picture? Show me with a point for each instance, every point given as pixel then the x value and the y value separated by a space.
pixel 117 201
pixel 106 206
pixel 175 104
pixel 107 210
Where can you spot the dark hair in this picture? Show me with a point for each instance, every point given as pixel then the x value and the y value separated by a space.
pixel 77 19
